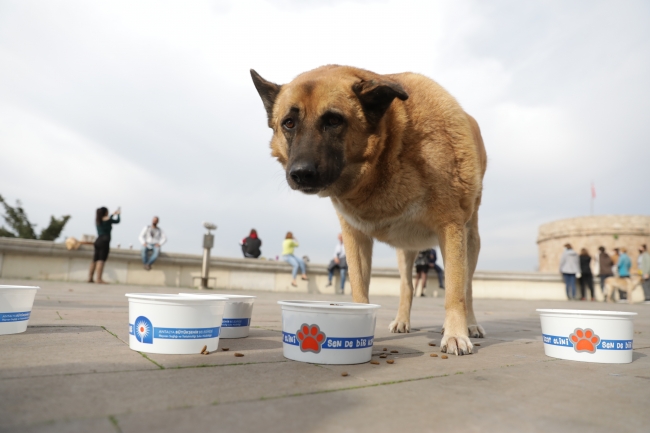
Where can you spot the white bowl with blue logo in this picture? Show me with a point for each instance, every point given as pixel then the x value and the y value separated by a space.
pixel 236 316
pixel 174 324
pixel 324 332
pixel 588 335
pixel 16 304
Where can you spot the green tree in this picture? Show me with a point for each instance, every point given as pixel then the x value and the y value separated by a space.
pixel 20 227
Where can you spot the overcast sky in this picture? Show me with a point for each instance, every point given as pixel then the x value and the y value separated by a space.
pixel 150 106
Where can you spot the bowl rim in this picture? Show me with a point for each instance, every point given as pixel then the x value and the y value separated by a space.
pixel 13 287
pixel 569 312
pixel 222 295
pixel 171 297
pixel 330 305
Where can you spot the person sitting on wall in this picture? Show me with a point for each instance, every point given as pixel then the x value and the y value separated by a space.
pixel 250 246
pixel 151 238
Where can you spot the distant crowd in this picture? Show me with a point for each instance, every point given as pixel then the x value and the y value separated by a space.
pixel 610 268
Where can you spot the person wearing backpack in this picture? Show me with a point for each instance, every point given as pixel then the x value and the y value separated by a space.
pixel 250 246
pixel 422 270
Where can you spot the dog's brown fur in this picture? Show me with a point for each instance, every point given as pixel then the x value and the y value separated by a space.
pixel 406 168
pixel 626 285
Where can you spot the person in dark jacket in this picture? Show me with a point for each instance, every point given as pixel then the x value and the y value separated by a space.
pixel 605 265
pixel 250 245
pixel 104 224
pixel 421 270
pixel 586 277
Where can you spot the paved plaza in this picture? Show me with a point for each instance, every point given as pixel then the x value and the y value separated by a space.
pixel 73 371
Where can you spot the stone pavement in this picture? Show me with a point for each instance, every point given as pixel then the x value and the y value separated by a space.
pixel 72 371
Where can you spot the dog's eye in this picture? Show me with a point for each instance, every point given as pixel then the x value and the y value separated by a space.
pixel 289 123
pixel 334 121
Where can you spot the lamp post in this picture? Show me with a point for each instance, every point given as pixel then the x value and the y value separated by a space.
pixel 208 243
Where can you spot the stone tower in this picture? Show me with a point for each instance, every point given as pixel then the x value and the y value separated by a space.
pixel 610 231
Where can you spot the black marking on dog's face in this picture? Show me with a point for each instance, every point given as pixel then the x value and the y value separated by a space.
pixel 315 148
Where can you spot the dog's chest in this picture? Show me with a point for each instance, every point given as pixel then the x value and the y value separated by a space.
pixel 404 231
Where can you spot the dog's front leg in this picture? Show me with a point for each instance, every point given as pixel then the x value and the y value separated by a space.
pixel 453 242
pixel 358 252
pixel 402 322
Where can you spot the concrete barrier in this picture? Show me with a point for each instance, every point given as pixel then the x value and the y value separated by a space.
pixel 43 260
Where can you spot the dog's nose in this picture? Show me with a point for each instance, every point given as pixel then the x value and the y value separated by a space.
pixel 303 173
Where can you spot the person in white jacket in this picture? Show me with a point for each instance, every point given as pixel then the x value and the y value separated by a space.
pixel 152 238
pixel 570 268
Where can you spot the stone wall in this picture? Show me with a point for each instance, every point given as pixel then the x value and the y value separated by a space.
pixel 42 260
pixel 610 231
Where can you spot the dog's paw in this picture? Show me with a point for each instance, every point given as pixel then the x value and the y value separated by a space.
pixel 399 326
pixel 476 331
pixel 456 345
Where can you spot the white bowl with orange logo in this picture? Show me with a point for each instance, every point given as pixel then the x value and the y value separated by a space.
pixel 588 336
pixel 325 332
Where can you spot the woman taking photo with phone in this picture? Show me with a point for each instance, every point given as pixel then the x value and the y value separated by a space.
pixel 104 224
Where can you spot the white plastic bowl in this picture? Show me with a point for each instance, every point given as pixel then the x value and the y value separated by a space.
pixel 328 332
pixel 588 335
pixel 174 324
pixel 16 304
pixel 236 316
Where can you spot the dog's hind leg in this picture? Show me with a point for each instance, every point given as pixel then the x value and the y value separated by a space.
pixel 453 242
pixel 405 260
pixel 358 252
pixel 473 248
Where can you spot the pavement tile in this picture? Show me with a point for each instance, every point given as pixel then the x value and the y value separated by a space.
pixel 101 394
pixel 57 350
pixel 509 399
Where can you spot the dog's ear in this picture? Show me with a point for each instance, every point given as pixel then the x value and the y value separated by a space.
pixel 376 96
pixel 268 92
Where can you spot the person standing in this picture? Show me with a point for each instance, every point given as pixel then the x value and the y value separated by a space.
pixel 615 256
pixel 152 238
pixel 421 270
pixel 250 246
pixel 339 261
pixel 605 264
pixel 644 269
pixel 288 246
pixel 104 224
pixel 586 276
pixel 624 264
pixel 569 267
pixel 433 258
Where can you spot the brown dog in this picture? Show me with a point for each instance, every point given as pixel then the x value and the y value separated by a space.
pixel 402 163
pixel 626 285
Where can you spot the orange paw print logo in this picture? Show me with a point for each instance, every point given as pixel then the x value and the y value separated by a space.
pixel 584 340
pixel 310 337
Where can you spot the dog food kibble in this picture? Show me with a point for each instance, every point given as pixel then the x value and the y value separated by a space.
pixel 384 349
pixel 432 344
pixel 394 351
pixel 374 362
pixel 390 361
pixel 344 374
pixel 383 356
pixel 204 349
pixel 444 356
pixel 477 344
pixel 434 355
pixel 225 349
pixel 237 354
